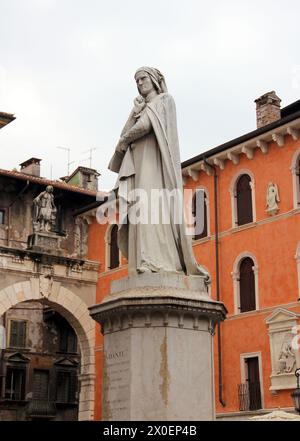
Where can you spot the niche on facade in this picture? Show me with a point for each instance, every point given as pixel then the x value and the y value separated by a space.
pixel 285 358
pixel 272 199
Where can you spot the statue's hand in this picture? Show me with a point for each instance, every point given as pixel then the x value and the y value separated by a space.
pixel 139 104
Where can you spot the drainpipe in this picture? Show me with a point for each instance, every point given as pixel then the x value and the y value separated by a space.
pixel 221 400
pixel 9 211
pixel 2 365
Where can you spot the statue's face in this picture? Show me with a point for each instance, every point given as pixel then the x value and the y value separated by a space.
pixel 144 83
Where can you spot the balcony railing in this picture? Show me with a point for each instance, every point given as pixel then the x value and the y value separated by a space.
pixel 41 408
pixel 249 396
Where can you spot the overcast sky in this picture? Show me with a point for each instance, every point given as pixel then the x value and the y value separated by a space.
pixel 67 67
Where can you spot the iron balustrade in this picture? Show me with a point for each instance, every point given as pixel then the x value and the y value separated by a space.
pixel 41 408
pixel 249 395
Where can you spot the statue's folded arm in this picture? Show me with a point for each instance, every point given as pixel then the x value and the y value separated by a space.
pixel 141 128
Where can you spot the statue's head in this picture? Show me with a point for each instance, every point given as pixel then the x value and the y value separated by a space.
pixel 49 189
pixel 149 79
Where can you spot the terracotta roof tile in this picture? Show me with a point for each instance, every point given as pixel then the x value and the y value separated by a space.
pixel 44 181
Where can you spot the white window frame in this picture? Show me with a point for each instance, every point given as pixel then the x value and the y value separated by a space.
pixel 17 319
pixel 295 178
pixel 206 201
pixel 107 239
pixel 236 282
pixel 297 257
pixel 233 196
pixel 243 358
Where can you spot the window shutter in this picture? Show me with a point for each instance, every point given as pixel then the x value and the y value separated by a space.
pixel 72 342
pixel 63 340
pixel 22 334
pixel 114 249
pixel 13 333
pixel 15 383
pixel 244 200
pixel 62 386
pixel 66 386
pixel 73 387
pixel 247 285
pixel 298 174
pixel 200 214
pixel 40 384
pixel 17 334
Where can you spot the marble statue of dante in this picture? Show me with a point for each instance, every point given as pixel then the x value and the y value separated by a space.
pixel 44 210
pixel 147 157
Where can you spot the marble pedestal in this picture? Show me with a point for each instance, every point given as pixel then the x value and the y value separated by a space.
pixel 158 361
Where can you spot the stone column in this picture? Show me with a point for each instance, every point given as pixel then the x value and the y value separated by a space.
pixel 86 397
pixel 158 355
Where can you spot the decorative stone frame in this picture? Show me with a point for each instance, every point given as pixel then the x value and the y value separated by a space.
pixel 207 203
pixel 243 358
pixel 8 333
pixel 295 178
pixel 236 279
pixel 280 323
pixel 233 195
pixel 297 257
pixel 107 239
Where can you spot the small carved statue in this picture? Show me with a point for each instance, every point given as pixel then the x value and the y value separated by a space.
pixel 45 211
pixel 287 359
pixel 272 199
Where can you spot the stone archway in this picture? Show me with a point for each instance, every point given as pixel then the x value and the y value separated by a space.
pixel 76 313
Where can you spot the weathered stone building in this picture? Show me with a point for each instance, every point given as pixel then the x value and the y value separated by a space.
pixel 41 365
pixel 47 284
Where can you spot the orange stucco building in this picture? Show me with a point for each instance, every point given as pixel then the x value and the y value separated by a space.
pixel 251 248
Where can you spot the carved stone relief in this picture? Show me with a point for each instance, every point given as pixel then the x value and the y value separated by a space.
pixel 287 356
pixel 284 358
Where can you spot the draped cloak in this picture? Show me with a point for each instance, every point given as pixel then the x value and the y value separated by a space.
pixel 162 114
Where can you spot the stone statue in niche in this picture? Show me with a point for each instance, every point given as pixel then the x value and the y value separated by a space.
pixel 147 158
pixel 287 357
pixel 45 211
pixel 272 199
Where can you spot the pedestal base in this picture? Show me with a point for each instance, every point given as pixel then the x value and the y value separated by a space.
pixel 43 242
pixel 158 361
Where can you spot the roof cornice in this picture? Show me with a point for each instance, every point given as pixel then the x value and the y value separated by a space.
pixel 244 145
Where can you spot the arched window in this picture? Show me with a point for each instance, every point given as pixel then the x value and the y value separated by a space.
pixel 114 254
pixel 247 285
pixel 296 178
pixel 200 214
pixel 244 209
pixel 297 257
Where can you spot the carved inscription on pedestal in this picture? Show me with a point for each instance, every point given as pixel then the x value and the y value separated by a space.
pixel 116 394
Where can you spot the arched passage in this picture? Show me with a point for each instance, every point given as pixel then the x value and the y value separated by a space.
pixel 75 311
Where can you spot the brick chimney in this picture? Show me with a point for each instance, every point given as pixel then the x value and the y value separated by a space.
pixel 267 109
pixel 31 167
